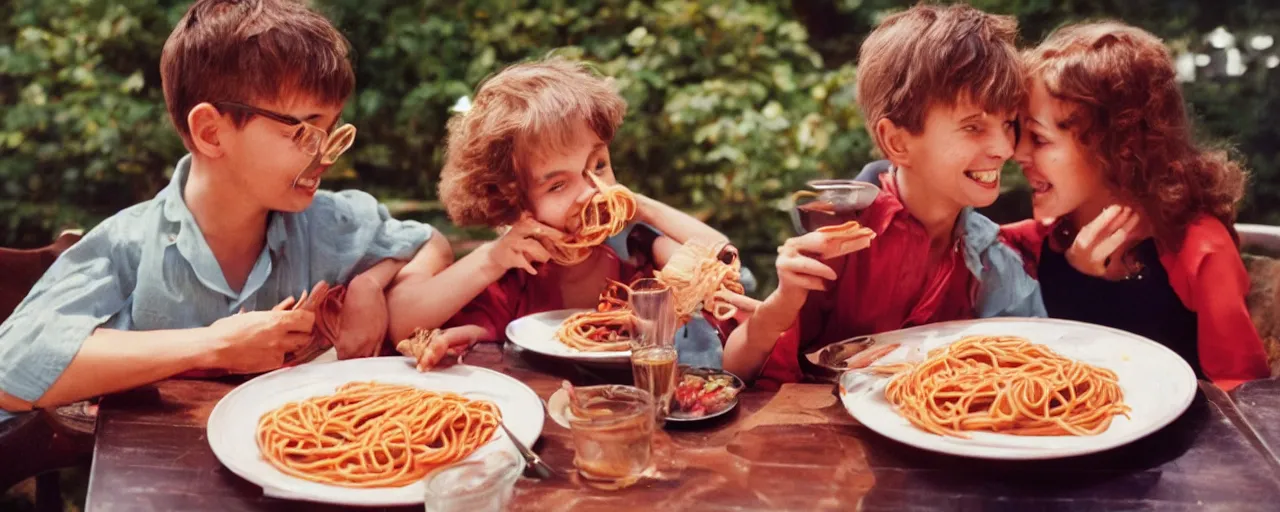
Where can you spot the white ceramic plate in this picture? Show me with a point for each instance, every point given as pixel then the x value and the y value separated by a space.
pixel 537 333
pixel 233 422
pixel 1157 384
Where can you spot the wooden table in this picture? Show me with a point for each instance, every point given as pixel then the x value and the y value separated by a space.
pixel 796 449
pixel 1259 405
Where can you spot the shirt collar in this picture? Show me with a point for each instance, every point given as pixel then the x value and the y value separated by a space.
pixel 181 229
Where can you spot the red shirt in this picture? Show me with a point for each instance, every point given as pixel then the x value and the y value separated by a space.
pixel 887 286
pixel 1209 278
pixel 518 293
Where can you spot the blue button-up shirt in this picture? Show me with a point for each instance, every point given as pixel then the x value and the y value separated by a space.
pixel 149 267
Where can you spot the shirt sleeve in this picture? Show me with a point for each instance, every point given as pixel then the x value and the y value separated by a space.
pixel 493 309
pixel 1230 350
pixel 351 232
pixel 86 287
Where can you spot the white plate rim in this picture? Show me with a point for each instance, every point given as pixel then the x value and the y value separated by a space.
pixel 618 357
pixel 959 447
pixel 234 466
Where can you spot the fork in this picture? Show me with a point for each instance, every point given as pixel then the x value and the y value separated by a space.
pixel 534 466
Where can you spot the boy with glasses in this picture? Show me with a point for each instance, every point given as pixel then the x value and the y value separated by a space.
pixel 201 279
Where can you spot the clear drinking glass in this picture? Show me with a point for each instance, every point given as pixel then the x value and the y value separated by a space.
pixel 612 427
pixel 653 350
pixel 483 485
pixel 831 202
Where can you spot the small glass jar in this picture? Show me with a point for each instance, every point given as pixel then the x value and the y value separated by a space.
pixel 483 485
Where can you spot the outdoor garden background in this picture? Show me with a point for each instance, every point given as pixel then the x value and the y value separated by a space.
pixel 733 104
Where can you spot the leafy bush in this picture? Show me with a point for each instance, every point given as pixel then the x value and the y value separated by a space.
pixel 733 103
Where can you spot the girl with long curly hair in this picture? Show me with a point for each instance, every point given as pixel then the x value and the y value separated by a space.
pixel 1133 223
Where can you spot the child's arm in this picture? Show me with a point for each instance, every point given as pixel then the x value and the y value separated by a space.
pixel 676 226
pixel 112 360
pixel 750 344
pixel 57 350
pixel 429 291
pixel 364 315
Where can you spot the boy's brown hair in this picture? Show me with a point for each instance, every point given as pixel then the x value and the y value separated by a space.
pixel 522 111
pixel 251 51
pixel 932 55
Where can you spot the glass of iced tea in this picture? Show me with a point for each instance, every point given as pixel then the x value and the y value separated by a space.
pixel 612 427
pixel 653 350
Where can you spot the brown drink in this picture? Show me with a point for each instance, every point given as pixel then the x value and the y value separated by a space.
pixel 654 370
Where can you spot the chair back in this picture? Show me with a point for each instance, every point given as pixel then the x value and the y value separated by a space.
pixel 21 269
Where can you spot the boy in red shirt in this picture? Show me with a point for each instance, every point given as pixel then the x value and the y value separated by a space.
pixel 939 87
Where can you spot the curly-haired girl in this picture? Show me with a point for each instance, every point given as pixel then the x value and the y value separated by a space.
pixel 1133 220
pixel 528 156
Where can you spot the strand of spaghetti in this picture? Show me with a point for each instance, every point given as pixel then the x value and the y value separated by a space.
pixel 1006 384
pixel 605 215
pixel 695 273
pixel 598 331
pixel 374 435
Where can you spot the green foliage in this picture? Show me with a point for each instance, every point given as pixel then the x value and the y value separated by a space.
pixel 83 130
pixel 732 103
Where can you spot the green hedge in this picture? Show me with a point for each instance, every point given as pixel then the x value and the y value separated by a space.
pixel 733 103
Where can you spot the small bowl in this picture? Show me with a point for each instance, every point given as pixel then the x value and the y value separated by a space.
pixel 681 417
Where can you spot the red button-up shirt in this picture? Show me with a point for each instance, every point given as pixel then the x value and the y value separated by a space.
pixel 887 286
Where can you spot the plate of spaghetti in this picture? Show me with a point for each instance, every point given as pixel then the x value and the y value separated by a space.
pixel 583 335
pixel 366 432
pixel 1018 388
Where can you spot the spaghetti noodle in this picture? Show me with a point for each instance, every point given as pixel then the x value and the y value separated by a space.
pixel 1008 385
pixel 598 331
pixel 374 435
pixel 695 274
pixel 604 216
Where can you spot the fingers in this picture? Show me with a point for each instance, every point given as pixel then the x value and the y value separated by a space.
pixel 1109 245
pixel 297 321
pixel 528 226
pixel 792 262
pixel 533 251
pixel 812 242
pixel 1100 227
pixel 1101 238
pixel 285 304
pixel 454 339
pixel 432 355
pixel 742 302
pixel 801 281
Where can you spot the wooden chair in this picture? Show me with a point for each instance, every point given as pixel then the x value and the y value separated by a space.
pixel 39 443
pixel 1260 246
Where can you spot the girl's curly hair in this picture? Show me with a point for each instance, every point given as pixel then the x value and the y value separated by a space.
pixel 1130 114
pixel 521 112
